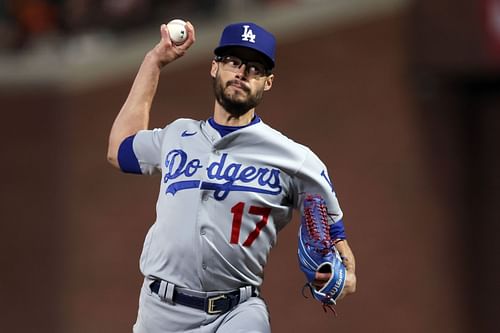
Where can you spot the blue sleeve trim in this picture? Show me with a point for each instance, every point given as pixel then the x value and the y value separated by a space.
pixel 126 157
pixel 337 230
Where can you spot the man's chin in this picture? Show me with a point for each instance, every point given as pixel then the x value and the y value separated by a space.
pixel 236 93
pixel 236 107
pixel 239 97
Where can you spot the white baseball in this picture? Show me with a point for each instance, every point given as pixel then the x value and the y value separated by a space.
pixel 177 31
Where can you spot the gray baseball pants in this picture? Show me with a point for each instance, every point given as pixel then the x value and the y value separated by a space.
pixel 157 315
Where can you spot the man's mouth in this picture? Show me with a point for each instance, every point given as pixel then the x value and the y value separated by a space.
pixel 238 84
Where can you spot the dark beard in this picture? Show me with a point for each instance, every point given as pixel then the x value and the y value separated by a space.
pixel 235 108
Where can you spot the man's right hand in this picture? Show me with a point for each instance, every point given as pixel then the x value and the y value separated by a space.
pixel 166 51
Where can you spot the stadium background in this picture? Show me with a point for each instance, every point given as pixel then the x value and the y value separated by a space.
pixel 401 99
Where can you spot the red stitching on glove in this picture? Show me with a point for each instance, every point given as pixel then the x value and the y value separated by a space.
pixel 311 226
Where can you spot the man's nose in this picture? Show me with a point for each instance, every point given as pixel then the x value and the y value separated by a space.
pixel 242 70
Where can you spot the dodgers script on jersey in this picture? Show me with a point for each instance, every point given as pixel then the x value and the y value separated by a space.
pixel 222 200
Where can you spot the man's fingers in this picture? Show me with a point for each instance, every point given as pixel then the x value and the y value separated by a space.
pixel 190 37
pixel 190 30
pixel 322 276
pixel 165 36
pixel 320 279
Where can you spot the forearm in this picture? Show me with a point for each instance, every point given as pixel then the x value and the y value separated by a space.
pixel 350 264
pixel 346 254
pixel 134 114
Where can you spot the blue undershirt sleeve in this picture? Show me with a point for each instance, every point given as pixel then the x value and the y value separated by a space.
pixel 126 157
pixel 337 230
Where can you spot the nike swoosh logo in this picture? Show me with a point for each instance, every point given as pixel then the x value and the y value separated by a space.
pixel 186 133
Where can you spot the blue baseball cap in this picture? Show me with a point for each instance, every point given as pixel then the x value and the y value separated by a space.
pixel 249 35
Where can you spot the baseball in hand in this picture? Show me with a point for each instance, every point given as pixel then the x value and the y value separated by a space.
pixel 177 31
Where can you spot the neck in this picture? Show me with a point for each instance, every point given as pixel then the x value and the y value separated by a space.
pixel 222 117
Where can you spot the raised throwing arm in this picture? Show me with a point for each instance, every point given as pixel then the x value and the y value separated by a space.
pixel 134 114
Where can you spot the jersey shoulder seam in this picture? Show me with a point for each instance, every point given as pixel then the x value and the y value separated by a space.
pixel 304 149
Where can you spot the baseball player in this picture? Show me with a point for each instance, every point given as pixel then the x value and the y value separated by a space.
pixel 228 185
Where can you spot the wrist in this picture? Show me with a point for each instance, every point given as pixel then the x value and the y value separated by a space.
pixel 153 59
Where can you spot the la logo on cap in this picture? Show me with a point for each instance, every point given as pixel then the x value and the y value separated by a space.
pixel 248 35
pixel 244 34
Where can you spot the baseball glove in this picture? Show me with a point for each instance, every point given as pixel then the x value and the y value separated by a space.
pixel 317 253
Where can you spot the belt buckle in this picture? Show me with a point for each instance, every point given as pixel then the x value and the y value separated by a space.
pixel 211 304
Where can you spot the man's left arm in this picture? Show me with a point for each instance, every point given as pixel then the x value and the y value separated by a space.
pixel 315 180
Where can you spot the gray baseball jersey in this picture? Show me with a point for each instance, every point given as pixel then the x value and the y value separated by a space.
pixel 222 200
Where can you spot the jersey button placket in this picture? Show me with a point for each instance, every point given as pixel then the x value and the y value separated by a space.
pixel 214 156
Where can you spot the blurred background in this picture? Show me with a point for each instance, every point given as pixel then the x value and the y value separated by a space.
pixel 400 98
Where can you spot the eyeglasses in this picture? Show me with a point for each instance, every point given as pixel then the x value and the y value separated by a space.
pixel 253 69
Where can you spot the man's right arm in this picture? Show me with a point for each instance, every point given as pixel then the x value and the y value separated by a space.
pixel 134 114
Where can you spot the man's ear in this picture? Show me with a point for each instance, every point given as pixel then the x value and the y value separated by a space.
pixel 214 68
pixel 269 82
